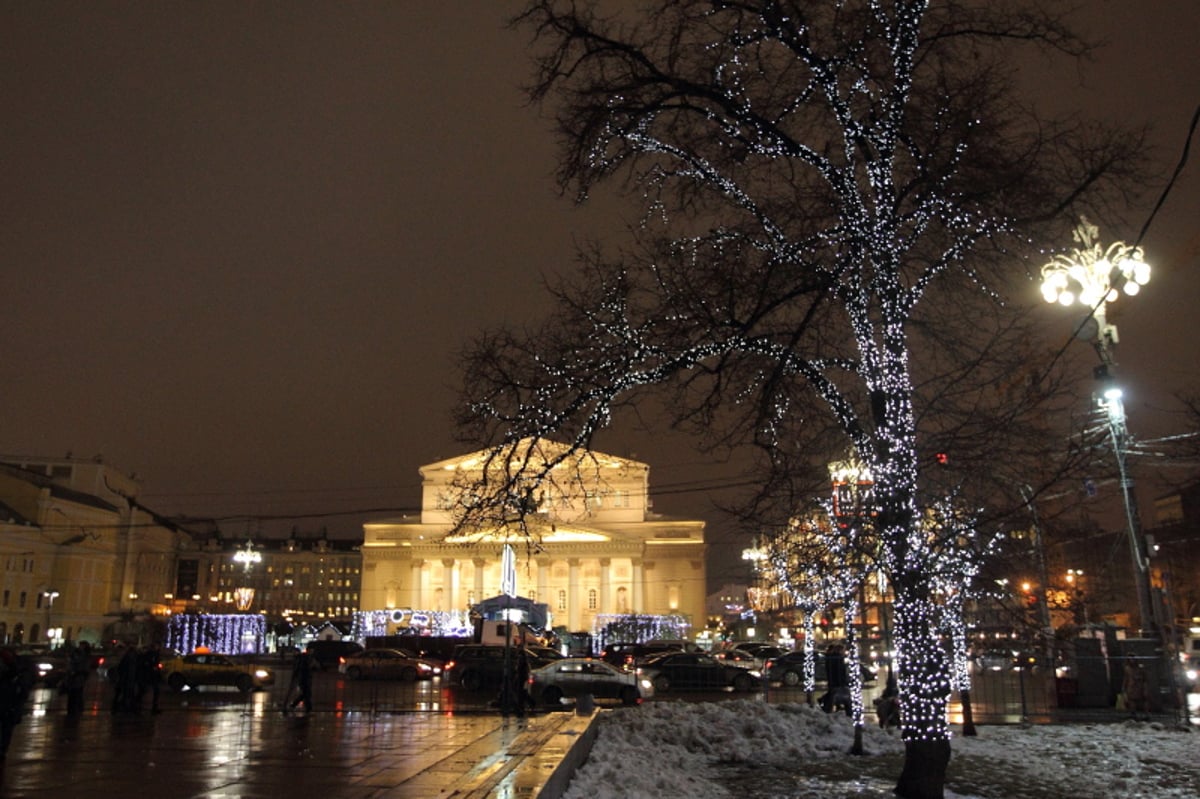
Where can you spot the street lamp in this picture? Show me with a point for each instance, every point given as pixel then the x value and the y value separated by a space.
pixel 1095 276
pixel 50 596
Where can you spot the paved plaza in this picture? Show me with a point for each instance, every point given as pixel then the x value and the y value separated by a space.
pixel 250 749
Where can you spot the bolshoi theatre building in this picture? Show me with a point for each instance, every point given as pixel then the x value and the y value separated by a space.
pixel 596 549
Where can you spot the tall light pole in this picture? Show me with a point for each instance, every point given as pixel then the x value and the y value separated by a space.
pixel 50 596
pixel 1095 276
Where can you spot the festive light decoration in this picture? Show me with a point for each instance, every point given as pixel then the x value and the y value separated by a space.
pixel 248 557
pixel 233 634
pixel 829 206
pixel 609 628
pixel 371 623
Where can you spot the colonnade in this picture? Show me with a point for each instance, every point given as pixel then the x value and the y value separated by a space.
pixel 591 585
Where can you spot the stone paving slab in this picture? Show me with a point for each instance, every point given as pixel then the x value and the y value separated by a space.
pixel 252 750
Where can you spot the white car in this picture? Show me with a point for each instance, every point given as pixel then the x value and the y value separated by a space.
pixel 571 678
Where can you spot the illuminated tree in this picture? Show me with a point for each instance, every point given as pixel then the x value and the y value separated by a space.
pixel 812 176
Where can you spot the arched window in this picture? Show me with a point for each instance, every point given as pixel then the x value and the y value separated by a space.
pixel 622 600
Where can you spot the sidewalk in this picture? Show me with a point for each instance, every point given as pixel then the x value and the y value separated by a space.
pixel 255 751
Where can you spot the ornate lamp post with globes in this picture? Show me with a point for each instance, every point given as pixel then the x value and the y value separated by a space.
pixel 1095 276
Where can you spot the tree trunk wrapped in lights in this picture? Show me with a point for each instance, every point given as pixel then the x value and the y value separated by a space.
pixel 809 172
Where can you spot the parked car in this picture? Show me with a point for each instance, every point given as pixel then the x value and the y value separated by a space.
pixel 679 671
pixel 574 677
pixel 993 660
pixel 738 657
pixel 328 654
pixel 387 664
pixel 788 669
pixel 207 669
pixel 629 655
pixel 762 650
pixel 474 666
pixel 48 667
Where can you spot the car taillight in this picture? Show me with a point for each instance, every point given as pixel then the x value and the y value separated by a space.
pixel 341 660
pixel 449 665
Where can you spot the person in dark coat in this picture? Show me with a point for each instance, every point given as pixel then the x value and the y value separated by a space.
pixel 521 683
pixel 79 668
pixel 302 669
pixel 837 679
pixel 16 679
pixel 149 676
pixel 125 682
pixel 887 706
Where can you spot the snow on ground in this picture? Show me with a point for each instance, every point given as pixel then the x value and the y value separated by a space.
pixel 754 750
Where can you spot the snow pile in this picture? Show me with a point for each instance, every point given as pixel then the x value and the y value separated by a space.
pixel 1133 760
pixel 754 750
pixel 675 749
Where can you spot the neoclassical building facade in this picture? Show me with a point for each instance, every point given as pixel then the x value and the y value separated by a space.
pixel 597 548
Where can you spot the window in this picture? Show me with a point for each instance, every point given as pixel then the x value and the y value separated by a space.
pixel 622 600
pixel 562 600
pixel 591 599
pixel 23 598
pixel 7 593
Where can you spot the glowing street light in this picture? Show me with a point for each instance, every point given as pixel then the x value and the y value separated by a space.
pixel 1095 276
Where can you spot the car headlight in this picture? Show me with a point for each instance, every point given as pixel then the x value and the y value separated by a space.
pixel 262 674
pixel 1191 674
pixel 646 684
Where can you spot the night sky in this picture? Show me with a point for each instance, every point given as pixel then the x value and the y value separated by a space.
pixel 243 242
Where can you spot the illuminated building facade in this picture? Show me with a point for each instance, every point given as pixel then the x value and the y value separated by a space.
pixel 597 549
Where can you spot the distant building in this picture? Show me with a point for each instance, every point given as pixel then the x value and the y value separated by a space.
pixel 306 579
pixel 728 603
pixel 1174 550
pixel 78 550
pixel 599 550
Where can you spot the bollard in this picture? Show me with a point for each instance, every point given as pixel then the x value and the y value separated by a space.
pixel 585 705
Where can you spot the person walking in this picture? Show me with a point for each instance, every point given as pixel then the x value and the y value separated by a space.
pixel 837 680
pixel 302 669
pixel 125 682
pixel 520 686
pixel 16 678
pixel 149 676
pixel 1137 698
pixel 79 668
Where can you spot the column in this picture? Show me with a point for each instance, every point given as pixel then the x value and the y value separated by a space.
pixel 479 564
pixel 574 617
pixel 450 583
pixel 543 582
pixel 637 606
pixel 415 594
pixel 605 603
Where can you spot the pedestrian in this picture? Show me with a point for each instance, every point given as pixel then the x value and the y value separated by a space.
pixel 520 691
pixel 15 680
pixel 887 706
pixel 837 680
pixel 125 682
pixel 149 676
pixel 302 669
pixel 1137 699
pixel 79 668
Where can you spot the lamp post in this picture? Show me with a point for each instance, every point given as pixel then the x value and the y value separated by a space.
pixel 50 596
pixel 1095 276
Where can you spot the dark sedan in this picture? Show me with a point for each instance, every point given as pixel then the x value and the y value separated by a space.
pixel 696 671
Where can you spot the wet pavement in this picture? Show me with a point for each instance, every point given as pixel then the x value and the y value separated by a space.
pixel 229 745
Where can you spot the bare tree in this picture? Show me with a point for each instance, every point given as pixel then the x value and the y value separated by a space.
pixel 816 177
